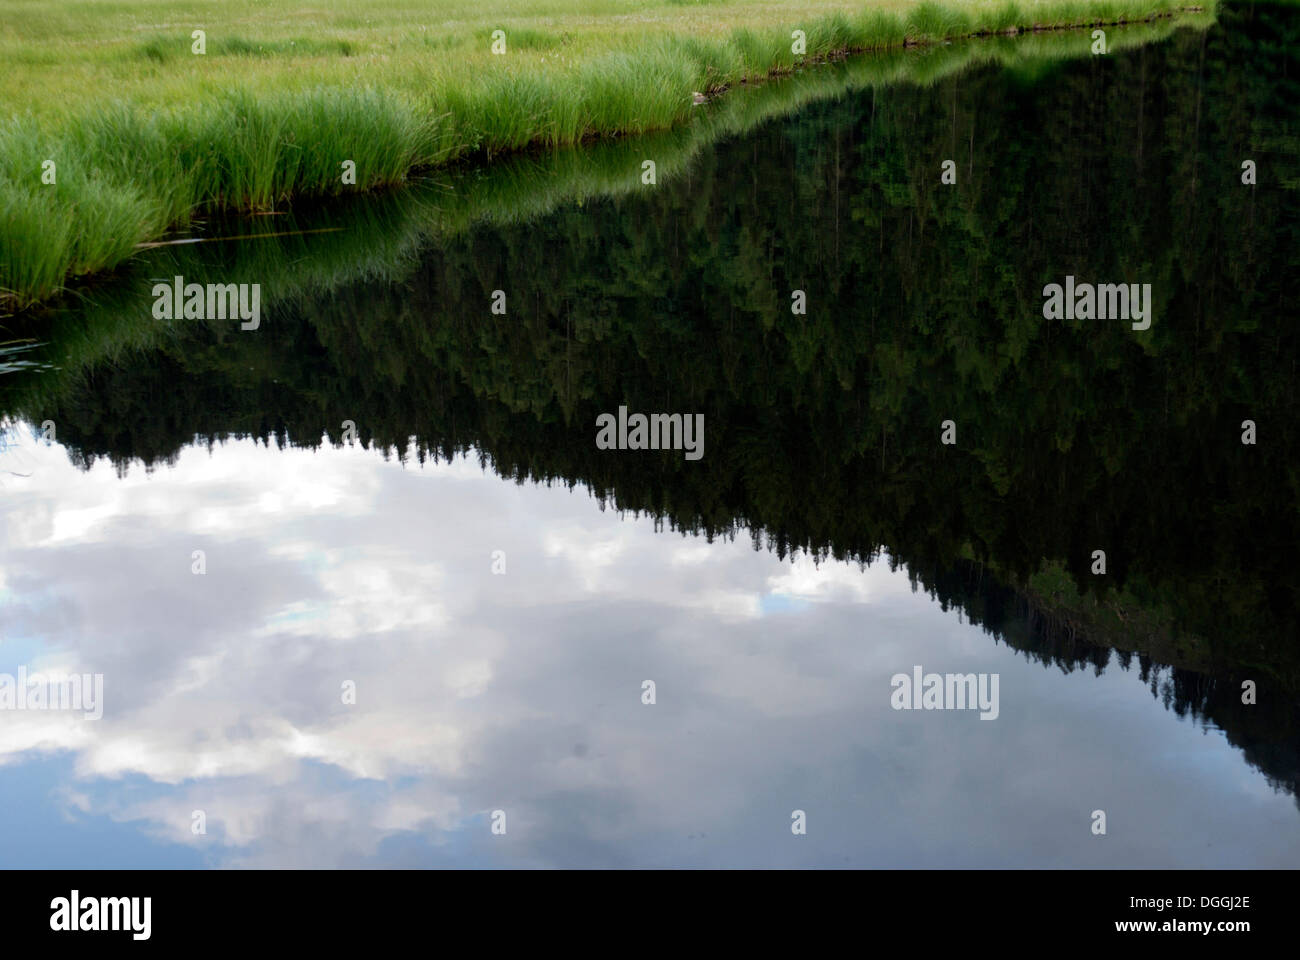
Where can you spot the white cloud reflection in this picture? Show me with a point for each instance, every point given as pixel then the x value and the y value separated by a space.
pixel 522 691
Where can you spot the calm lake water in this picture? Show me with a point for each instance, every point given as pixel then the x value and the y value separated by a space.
pixel 361 585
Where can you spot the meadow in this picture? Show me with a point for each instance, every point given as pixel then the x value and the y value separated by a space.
pixel 114 129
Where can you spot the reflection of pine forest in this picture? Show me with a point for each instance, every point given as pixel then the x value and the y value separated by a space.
pixel 924 304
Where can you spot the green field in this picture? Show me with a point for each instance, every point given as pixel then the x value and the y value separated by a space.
pixel 143 131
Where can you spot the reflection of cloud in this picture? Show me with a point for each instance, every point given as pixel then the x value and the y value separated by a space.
pixel 843 581
pixel 24 731
pixel 521 692
pixel 364 597
pixel 587 557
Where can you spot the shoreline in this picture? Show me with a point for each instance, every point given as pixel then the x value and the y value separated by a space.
pixel 261 152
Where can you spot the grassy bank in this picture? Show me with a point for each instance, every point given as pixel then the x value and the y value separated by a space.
pixel 325 247
pixel 144 133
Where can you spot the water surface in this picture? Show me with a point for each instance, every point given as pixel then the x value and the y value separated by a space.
pixel 496 589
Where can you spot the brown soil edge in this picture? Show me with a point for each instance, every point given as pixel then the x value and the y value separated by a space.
pixel 912 42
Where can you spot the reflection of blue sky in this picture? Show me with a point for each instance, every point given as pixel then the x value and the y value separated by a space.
pixel 781 603
pixel 45 826
pixel 522 692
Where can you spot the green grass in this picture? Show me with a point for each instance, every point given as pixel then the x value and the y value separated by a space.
pixel 380 236
pixel 145 134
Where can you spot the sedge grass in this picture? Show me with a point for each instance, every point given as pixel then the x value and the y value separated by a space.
pixel 143 133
